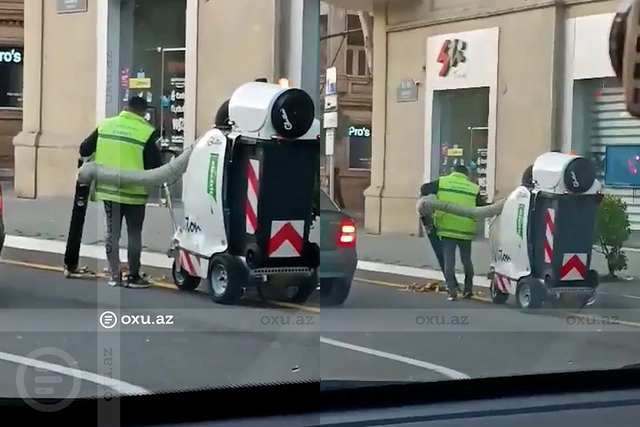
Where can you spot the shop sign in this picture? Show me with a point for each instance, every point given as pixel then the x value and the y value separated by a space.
pixel 407 91
pixel 452 53
pixel 71 6
pixel 11 56
pixel 359 131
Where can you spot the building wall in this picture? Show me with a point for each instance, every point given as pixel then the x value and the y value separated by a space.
pixel 354 86
pixel 11 36
pixel 529 94
pixel 64 82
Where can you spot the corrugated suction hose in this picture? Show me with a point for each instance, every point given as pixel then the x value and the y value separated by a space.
pixel 168 173
pixel 428 204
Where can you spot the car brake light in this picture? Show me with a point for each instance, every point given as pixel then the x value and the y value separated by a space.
pixel 347 235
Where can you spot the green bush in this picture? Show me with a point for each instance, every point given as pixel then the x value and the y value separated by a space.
pixel 612 231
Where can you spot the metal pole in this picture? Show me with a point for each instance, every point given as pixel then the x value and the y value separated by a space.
pixel 332 177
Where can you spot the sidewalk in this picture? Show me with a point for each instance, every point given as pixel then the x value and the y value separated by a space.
pixel 48 218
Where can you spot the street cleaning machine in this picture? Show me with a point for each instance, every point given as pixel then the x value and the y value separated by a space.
pixel 248 197
pixel 542 234
pixel 542 241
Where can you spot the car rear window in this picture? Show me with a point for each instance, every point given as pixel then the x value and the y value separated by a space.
pixel 326 204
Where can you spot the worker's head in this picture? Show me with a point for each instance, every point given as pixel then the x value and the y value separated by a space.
pixel 527 177
pixel 461 169
pixel 137 105
pixel 222 116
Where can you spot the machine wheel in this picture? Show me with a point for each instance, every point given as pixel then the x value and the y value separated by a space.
pixel 530 294
pixel 334 292
pixel 227 279
pixel 306 286
pixel 497 296
pixel 183 280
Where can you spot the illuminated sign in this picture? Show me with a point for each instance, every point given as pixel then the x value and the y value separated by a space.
pixel 359 131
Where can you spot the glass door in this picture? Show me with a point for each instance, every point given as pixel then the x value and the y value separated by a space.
pixel 171 117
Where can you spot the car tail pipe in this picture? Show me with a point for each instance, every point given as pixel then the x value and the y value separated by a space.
pixel 168 173
pixel 428 204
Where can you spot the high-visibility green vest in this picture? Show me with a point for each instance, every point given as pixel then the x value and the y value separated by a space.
pixel 121 141
pixel 458 189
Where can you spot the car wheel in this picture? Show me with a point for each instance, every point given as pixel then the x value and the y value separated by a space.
pixel 334 292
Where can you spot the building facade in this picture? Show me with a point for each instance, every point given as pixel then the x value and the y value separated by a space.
pixel 11 66
pixel 488 84
pixel 87 57
pixel 342 46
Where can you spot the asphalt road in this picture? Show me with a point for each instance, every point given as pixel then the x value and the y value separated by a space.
pixel 381 333
pixel 201 344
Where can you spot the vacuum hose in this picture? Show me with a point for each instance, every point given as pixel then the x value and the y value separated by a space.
pixel 428 204
pixel 168 173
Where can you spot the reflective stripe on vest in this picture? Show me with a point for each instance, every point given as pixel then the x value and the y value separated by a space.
pixel 121 142
pixel 458 189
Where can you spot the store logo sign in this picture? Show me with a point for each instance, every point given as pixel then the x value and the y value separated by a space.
pixel 11 56
pixel 359 132
pixel 452 53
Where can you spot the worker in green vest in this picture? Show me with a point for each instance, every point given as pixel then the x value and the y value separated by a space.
pixel 455 232
pixel 126 141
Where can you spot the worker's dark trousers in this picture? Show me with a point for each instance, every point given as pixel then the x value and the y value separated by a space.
pixel 449 246
pixel 134 217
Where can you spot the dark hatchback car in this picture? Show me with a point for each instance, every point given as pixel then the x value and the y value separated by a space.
pixel 338 255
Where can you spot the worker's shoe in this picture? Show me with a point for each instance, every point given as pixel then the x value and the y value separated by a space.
pixel 115 280
pixel 452 297
pixel 135 281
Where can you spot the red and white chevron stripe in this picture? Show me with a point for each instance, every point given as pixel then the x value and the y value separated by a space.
pixel 286 240
pixel 503 283
pixel 190 263
pixel 549 225
pixel 251 203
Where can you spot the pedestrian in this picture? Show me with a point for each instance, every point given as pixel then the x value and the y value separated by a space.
pixel 126 141
pixel 455 232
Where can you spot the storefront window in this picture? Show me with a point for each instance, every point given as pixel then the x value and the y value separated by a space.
pixel 154 60
pixel 359 147
pixel 152 40
pixel 460 125
pixel 11 60
pixel 462 130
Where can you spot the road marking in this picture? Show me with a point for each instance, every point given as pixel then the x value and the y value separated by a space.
pixel 115 385
pixel 442 370
pixel 155 284
pixel 381 283
pixel 621 296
